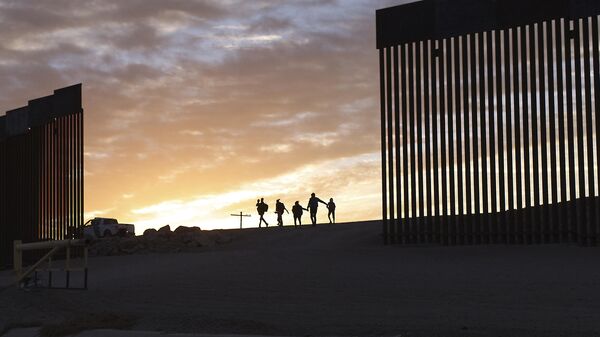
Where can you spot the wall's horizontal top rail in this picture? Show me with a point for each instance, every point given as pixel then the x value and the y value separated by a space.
pixel 40 111
pixel 439 19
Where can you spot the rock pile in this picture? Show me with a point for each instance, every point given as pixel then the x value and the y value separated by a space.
pixel 159 241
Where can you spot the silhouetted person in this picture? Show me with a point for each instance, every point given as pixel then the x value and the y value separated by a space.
pixel 262 208
pixel 279 208
pixel 331 208
pixel 313 205
pixel 297 210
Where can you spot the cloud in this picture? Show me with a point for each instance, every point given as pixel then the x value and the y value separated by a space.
pixel 346 179
pixel 97 213
pixel 183 97
pixel 277 148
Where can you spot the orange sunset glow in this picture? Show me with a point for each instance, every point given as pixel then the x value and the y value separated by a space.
pixel 194 109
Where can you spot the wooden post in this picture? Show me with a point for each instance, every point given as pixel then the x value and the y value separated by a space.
pixel 68 260
pixel 17 258
pixel 85 257
pixel 241 215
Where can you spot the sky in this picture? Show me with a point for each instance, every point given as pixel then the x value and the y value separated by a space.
pixel 194 109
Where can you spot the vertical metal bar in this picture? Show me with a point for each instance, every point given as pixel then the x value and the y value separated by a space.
pixel 435 116
pixel 501 234
pixel 74 177
pixel 419 139
pixel 560 82
pixel 596 66
pixel 67 173
pixel 580 209
pixel 451 141
pixel 459 142
pixel 533 50
pixel 553 214
pixel 483 127
pixel 43 182
pixel 543 76
pixel 466 113
pixel 78 179
pixel 40 187
pixel 56 181
pixel 47 213
pixel 570 132
pixel 407 97
pixel 443 144
pixel 62 157
pixel 66 161
pixel 56 178
pixel 413 140
pixel 50 180
pixel 60 174
pixel 518 69
pixel 390 139
pixel 383 145
pixel 589 131
pixel 81 169
pixel 509 92
pixel 474 136
pixel 71 182
pixel 525 59
pixel 542 218
pixel 5 253
pixel 427 115
pixel 66 158
pixel 394 234
pixel 492 137
pixel 76 169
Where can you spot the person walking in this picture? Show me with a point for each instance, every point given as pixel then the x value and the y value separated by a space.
pixel 313 206
pixel 279 208
pixel 331 208
pixel 297 211
pixel 262 208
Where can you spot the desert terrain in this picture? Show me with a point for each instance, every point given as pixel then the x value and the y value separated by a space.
pixel 331 280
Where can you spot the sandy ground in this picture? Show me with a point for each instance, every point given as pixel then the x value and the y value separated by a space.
pixel 335 280
pixel 34 332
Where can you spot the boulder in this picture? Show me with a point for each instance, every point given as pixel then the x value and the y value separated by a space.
pixel 186 230
pixel 165 231
pixel 160 241
pixel 150 232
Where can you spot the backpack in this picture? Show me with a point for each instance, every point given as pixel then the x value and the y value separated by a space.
pixel 265 207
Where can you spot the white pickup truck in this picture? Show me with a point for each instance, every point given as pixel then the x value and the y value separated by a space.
pixel 106 227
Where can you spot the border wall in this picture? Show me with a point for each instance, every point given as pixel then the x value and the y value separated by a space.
pixel 490 121
pixel 41 170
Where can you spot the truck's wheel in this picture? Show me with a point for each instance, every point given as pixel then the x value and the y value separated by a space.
pixel 107 233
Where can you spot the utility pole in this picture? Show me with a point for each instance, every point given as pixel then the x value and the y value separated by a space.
pixel 241 215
